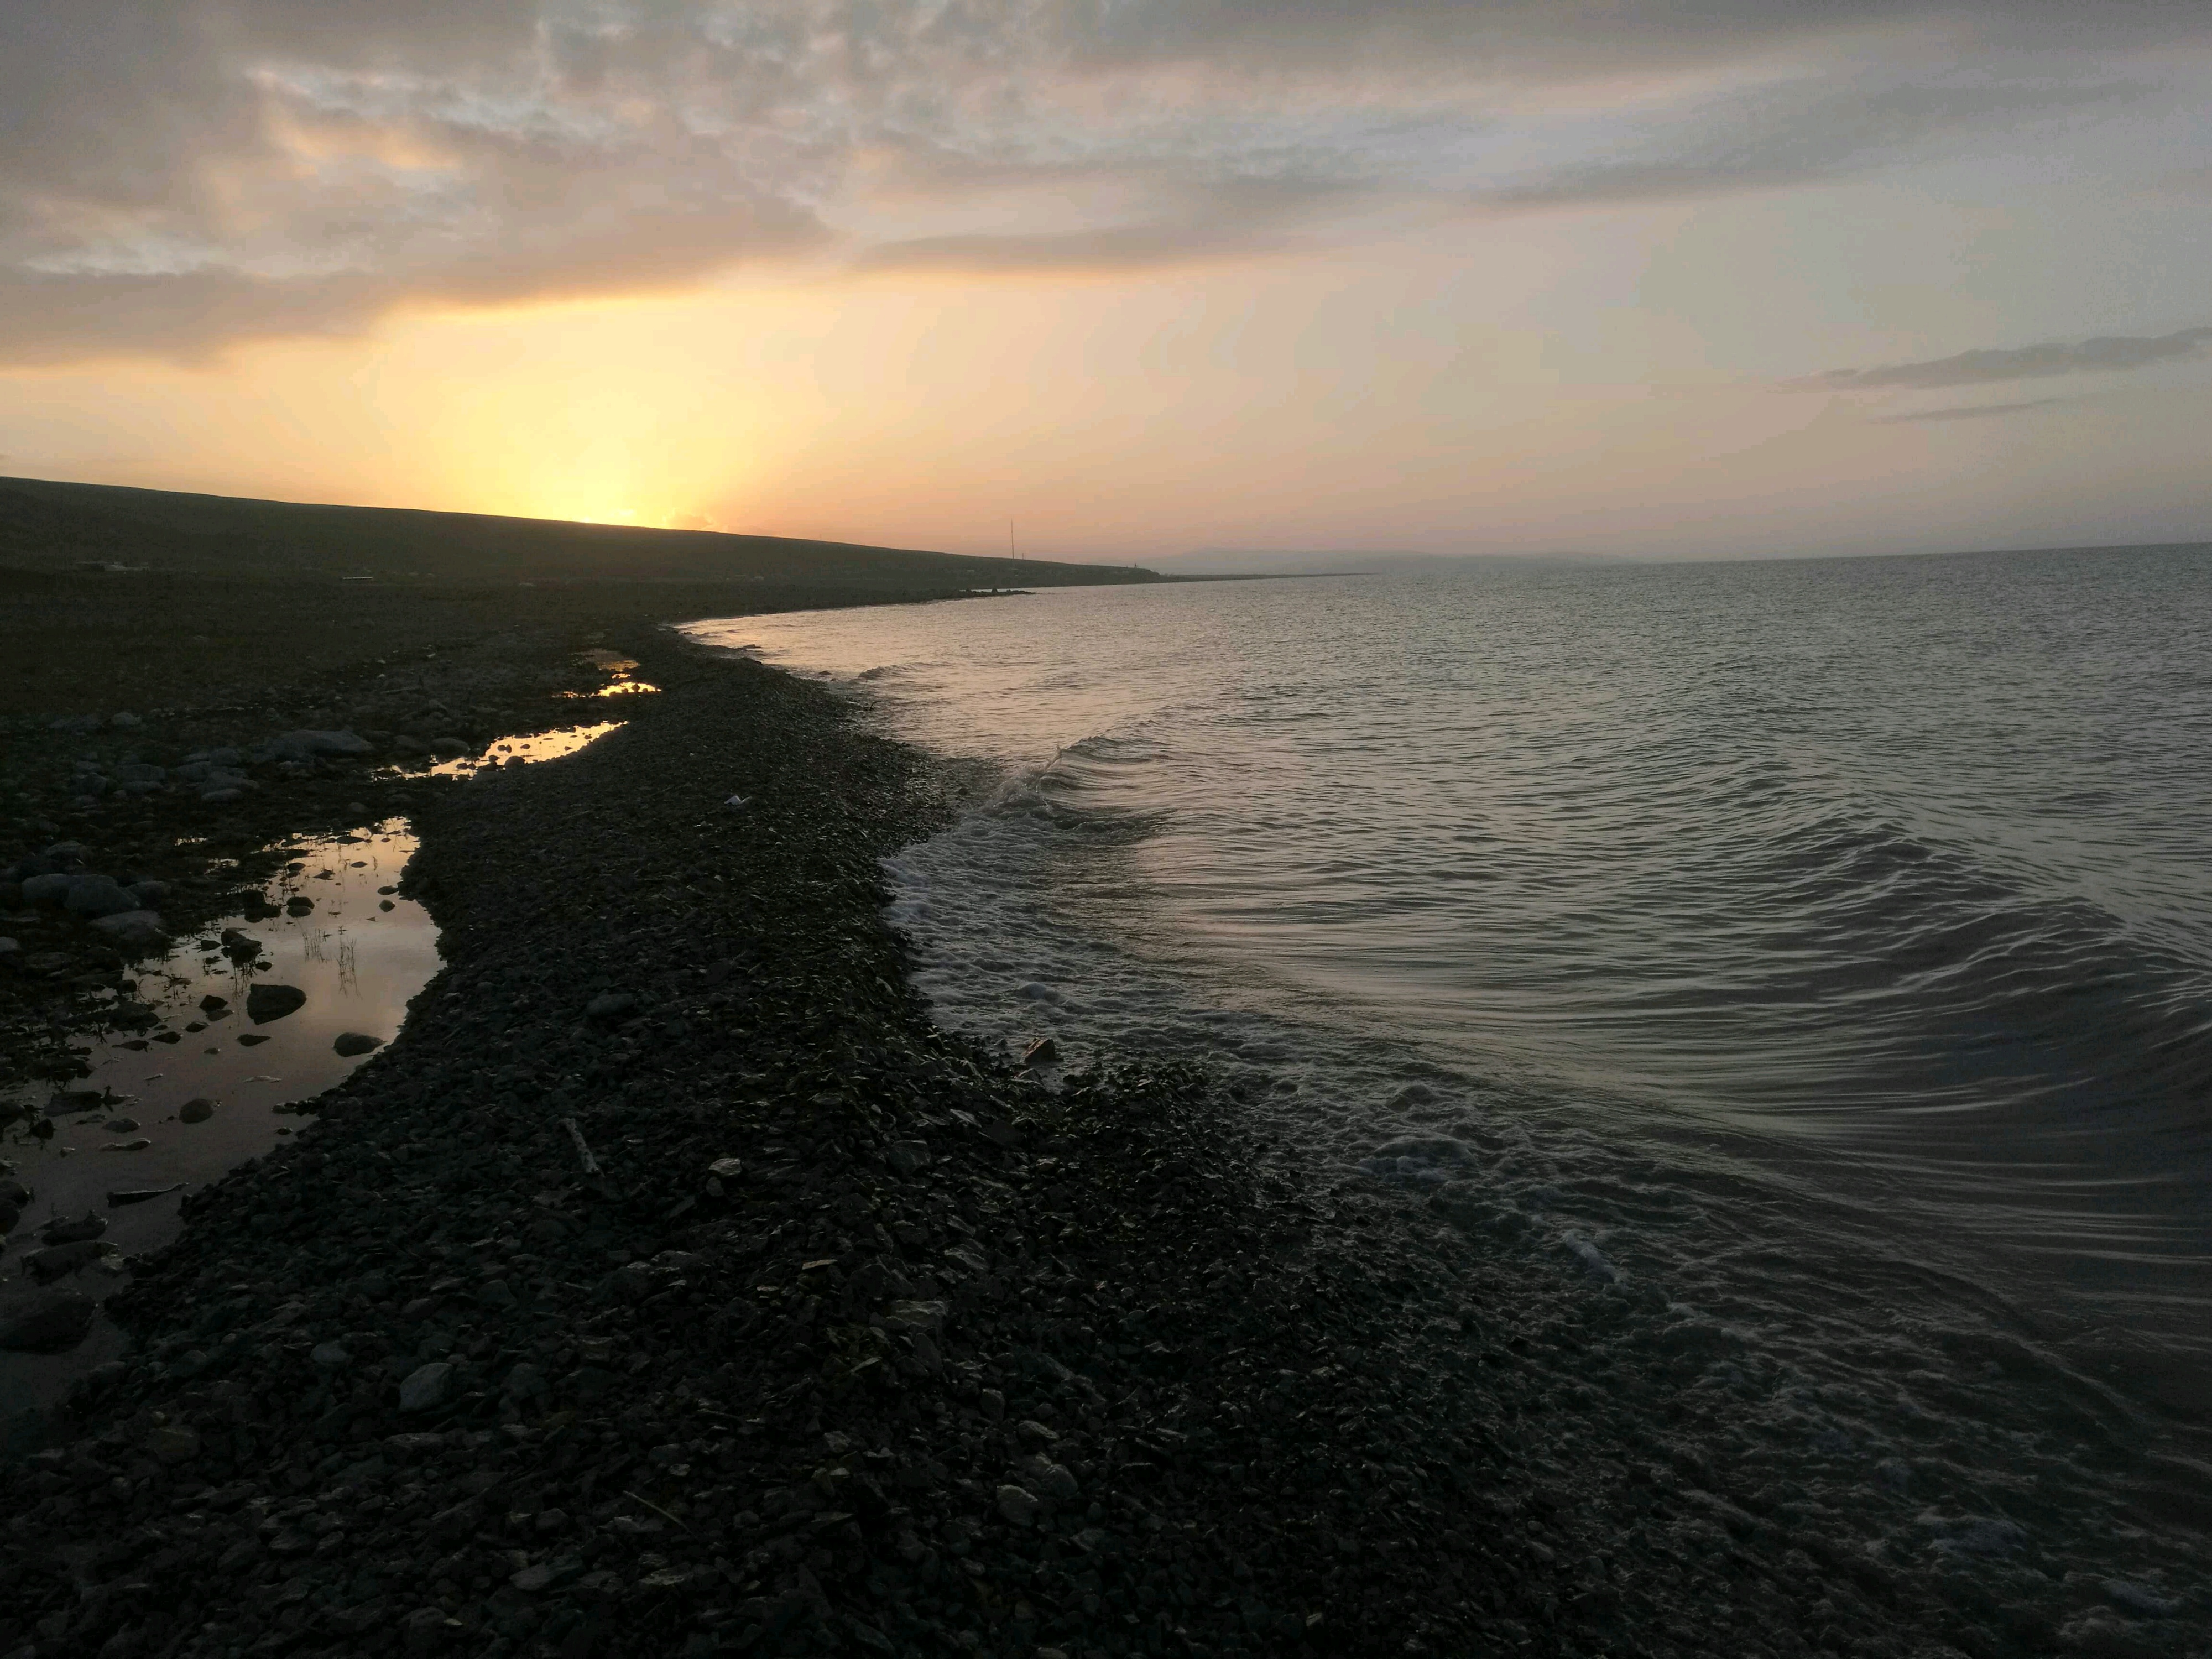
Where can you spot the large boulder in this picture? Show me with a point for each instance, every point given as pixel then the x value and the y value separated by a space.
pixel 306 745
pixel 50 888
pixel 134 930
pixel 99 896
pixel 264 1002
pixel 52 1324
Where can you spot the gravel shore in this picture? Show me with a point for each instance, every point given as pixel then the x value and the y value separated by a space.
pixel 672 1286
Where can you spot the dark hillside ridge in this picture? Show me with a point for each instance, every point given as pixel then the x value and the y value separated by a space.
pixel 56 526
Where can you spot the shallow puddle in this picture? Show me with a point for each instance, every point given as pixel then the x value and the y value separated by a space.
pixel 333 928
pixel 517 751
pixel 356 950
pixel 621 667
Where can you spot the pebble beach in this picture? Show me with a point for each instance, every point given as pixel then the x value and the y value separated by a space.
pixel 670 1284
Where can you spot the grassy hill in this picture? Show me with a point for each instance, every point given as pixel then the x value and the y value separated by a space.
pixel 219 599
pixel 44 525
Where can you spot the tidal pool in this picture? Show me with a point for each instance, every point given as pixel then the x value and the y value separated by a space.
pixel 341 935
pixel 334 927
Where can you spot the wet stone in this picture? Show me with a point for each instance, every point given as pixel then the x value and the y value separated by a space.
pixel 264 1002
pixel 53 1323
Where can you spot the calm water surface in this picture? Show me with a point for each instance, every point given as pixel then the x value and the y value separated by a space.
pixel 1828 944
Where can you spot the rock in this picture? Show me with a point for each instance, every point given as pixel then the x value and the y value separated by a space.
pixel 610 1005
pixel 525 1382
pixel 727 1169
pixel 265 1003
pixel 173 1444
pixel 63 1259
pixel 330 1356
pixel 138 1144
pixel 305 745
pixel 299 905
pixel 1018 1506
pixel 49 889
pixel 74 1232
pixel 121 1126
pixel 97 896
pixel 137 930
pixel 197 1111
pixel 1048 1477
pixel 915 1316
pixel 11 1217
pixel 210 1002
pixel 53 1324
pixel 907 1156
pixel 139 1195
pixel 349 1043
pixel 10 949
pixel 2140 1600
pixel 151 895
pixel 426 1628
pixel 1043 1052
pixel 448 747
pixel 425 1387
pixel 247 1039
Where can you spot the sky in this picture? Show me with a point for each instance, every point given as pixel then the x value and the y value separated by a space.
pixel 1125 279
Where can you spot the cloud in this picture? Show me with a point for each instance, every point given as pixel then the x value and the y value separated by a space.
pixel 1236 217
pixel 1810 131
pixel 1969 411
pixel 2111 354
pixel 178 178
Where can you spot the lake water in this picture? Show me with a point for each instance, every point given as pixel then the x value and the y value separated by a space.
pixel 1824 948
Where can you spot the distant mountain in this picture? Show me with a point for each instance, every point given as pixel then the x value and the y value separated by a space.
pixel 1263 562
pixel 46 525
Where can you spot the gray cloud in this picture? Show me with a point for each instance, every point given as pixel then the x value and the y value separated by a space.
pixel 1573 37
pixel 1969 411
pixel 1812 132
pixel 2110 354
pixel 1237 217
pixel 180 177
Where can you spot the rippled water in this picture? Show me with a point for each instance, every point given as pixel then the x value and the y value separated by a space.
pixel 1829 943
